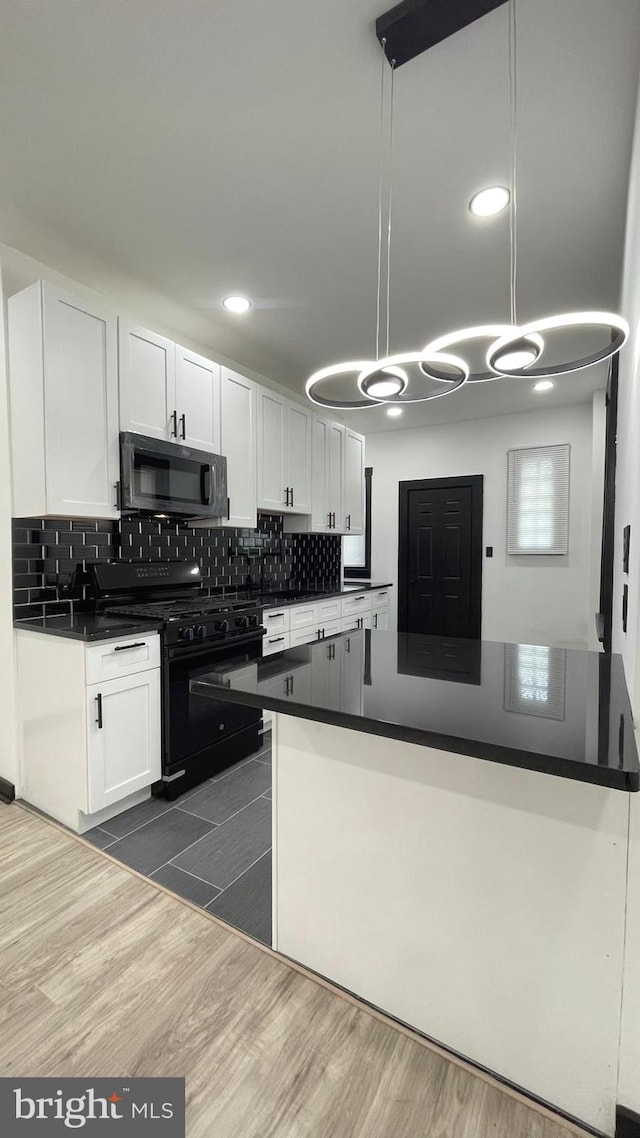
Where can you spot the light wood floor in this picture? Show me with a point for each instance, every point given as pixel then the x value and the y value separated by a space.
pixel 103 974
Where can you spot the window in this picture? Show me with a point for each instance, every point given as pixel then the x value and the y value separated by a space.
pixel 538 500
pixel 356 548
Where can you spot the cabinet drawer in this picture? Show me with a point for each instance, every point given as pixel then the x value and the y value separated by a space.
pixel 302 636
pixel 353 606
pixel 112 658
pixel 277 642
pixel 329 610
pixel 331 628
pixel 303 616
pixel 380 599
pixel 276 621
pixel 351 623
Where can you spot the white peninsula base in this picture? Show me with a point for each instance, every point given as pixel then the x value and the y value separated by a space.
pixel 480 903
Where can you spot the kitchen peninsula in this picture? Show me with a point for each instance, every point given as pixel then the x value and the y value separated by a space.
pixel 450 833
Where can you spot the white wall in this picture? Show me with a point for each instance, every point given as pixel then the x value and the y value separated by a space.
pixel 628 512
pixel 8 734
pixel 534 600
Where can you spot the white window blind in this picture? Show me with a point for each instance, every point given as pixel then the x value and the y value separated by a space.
pixel 538 500
pixel 354 554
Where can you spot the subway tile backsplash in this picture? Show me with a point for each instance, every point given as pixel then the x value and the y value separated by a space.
pixel 47 551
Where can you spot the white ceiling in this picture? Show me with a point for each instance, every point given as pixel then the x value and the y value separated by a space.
pixel 201 148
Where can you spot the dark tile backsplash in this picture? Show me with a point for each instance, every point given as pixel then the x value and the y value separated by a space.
pixel 46 553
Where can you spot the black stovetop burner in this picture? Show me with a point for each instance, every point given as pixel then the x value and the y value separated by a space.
pixel 177 608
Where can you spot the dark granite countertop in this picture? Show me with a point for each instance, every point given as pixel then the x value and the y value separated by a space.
pixel 560 711
pixel 88 626
pixel 278 600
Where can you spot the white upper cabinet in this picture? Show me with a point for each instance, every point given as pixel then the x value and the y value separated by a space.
pixel 353 482
pixel 197 401
pixel 64 403
pixel 298 457
pixel 239 445
pixel 147 382
pixel 320 513
pixel 335 474
pixel 327 483
pixel 272 490
pixel 284 454
pixel 166 391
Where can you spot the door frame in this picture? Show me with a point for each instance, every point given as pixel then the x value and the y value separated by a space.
pixel 476 483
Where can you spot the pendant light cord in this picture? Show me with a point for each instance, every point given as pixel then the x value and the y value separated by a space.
pixel 393 71
pixel 380 189
pixel 513 101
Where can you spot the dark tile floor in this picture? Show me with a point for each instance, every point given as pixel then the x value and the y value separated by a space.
pixel 212 845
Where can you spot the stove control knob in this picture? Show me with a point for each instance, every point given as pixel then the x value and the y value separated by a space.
pixel 200 631
pixel 242 622
pixel 187 634
pixel 222 626
pixel 253 620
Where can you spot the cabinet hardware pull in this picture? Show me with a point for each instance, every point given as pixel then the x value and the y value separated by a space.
pixel 375 620
pixel 348 521
pixel 329 522
pixel 228 509
pixel 292 496
pixel 183 424
pixel 99 718
pixel 319 634
pixel 276 639
pixel 174 424
pixel 273 615
pixel 118 501
pixel 128 647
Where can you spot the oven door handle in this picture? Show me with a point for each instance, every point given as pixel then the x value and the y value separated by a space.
pixel 178 652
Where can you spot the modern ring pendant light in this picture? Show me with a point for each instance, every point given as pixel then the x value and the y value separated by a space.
pixel 511 355
pixel 513 351
pixel 385 380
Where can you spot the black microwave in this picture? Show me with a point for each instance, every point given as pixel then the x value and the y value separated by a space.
pixel 166 478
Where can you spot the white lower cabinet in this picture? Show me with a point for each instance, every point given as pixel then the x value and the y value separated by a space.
pixel 123 737
pixel 380 619
pixel 89 724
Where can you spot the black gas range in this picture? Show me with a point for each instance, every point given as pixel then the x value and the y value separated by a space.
pixel 200 632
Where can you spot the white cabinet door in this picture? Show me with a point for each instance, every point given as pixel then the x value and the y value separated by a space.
pixel 380 619
pixel 335 467
pixel 272 484
pixel 80 406
pixel 147 382
pixel 197 400
pixel 238 443
pixel 123 737
pixel 354 482
pixel 298 458
pixel 320 520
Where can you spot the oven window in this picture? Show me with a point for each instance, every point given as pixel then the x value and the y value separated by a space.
pixel 161 479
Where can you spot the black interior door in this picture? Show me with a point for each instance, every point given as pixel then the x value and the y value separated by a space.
pixel 440 557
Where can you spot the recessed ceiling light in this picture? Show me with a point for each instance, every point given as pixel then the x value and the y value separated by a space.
pixel 237 304
pixel 393 412
pixel 492 200
pixel 544 385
